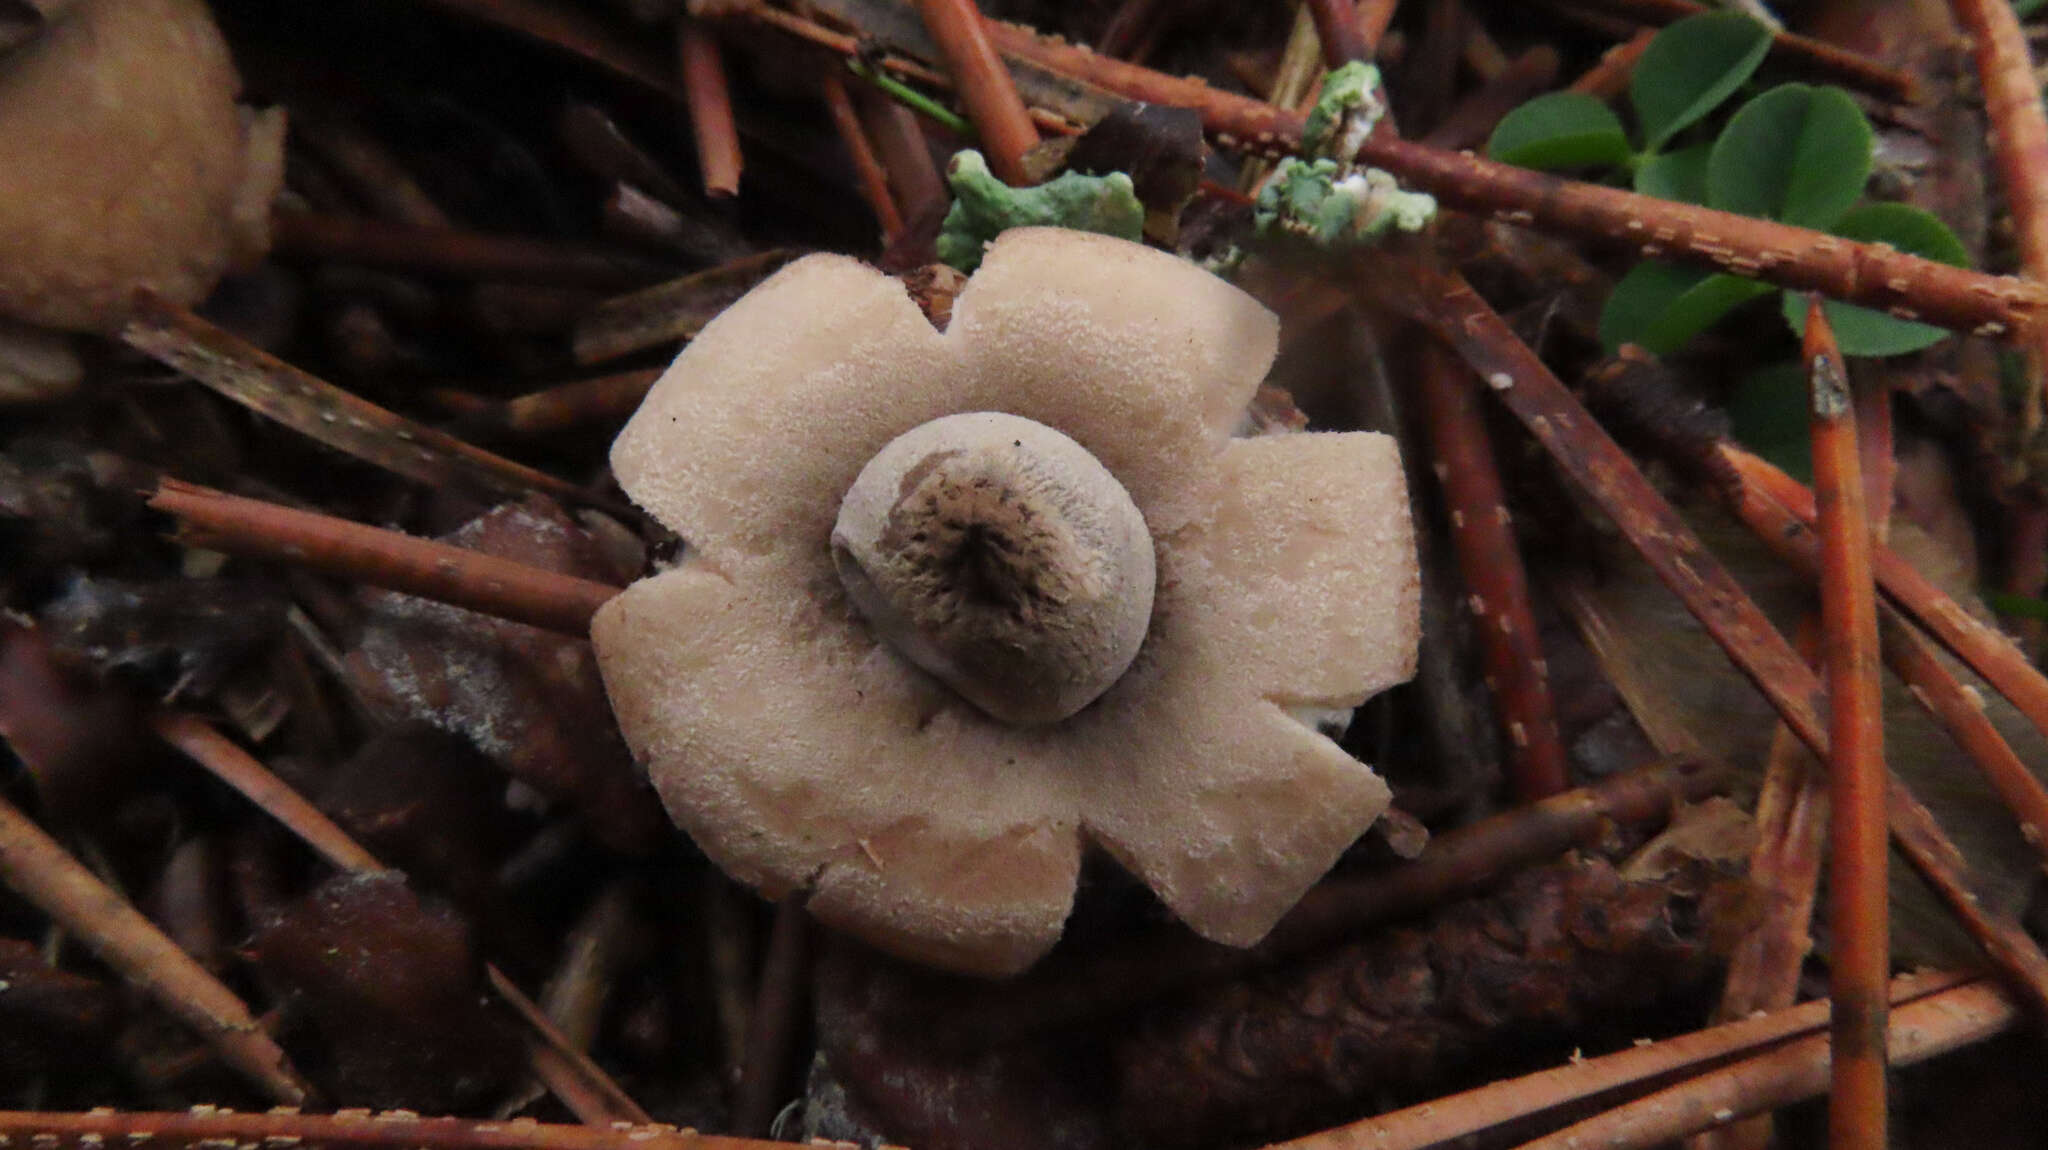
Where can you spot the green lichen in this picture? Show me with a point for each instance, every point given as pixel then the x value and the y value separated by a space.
pixel 985 207
pixel 1319 203
pixel 1345 113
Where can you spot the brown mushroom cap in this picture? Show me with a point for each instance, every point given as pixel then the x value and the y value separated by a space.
pixel 123 162
pixel 804 753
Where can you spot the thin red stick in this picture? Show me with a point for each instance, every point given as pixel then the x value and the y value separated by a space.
pixel 2019 145
pixel 1961 712
pixel 1492 565
pixel 198 741
pixel 1913 659
pixel 1983 647
pixel 1442 300
pixel 388 559
pixel 1337 28
pixel 1859 901
pixel 874 181
pixel 710 104
pixel 1374 17
pixel 207 1127
pixel 1791 1073
pixel 1868 274
pixel 1445 1121
pixel 984 84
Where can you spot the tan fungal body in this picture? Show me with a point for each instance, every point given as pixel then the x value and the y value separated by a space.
pixel 796 730
pixel 125 163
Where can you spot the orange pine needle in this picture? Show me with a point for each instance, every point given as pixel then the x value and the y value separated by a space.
pixel 381 558
pixel 1859 901
pixel 1491 562
pixel 2019 127
pixel 1446 1121
pixel 710 105
pixel 874 180
pixel 1442 300
pixel 203 1127
pixel 1790 1073
pixel 1983 647
pixel 985 85
pixel 1868 274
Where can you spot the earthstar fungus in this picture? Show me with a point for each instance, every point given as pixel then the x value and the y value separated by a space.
pixel 127 163
pixel 868 741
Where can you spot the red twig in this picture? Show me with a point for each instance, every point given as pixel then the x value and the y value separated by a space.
pixel 1872 275
pixel 1491 561
pixel 2019 142
pixel 1791 817
pixel 984 84
pixel 1988 652
pixel 710 101
pixel 845 45
pixel 1791 1073
pixel 380 558
pixel 1337 28
pixel 1583 450
pixel 1961 712
pixel 207 1127
pixel 1912 658
pixel 1374 16
pixel 1444 1121
pixel 1859 902
pixel 874 181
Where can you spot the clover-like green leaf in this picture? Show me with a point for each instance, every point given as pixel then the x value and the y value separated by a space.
pixel 1861 330
pixel 1680 175
pixel 1796 153
pixel 1690 68
pixel 1659 307
pixel 1769 413
pixel 1560 130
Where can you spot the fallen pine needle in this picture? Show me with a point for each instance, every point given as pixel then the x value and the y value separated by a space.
pixel 1859 901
